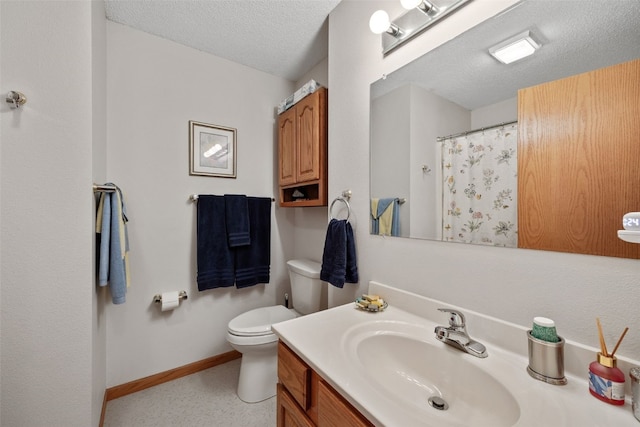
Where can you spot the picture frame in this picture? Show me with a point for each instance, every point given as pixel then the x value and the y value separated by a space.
pixel 212 150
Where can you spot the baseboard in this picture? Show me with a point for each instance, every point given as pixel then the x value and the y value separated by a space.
pixel 172 374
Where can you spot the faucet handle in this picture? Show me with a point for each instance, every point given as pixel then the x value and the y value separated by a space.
pixel 456 319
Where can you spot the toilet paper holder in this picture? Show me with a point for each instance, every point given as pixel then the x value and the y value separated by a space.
pixel 181 295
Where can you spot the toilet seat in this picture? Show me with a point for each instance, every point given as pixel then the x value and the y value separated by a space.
pixel 257 322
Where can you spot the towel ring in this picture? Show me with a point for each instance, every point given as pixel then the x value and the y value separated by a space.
pixel 343 200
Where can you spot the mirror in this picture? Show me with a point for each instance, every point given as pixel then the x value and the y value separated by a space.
pixel 459 88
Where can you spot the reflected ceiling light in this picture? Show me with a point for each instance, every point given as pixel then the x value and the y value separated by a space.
pixel 515 48
pixel 420 15
pixel 213 150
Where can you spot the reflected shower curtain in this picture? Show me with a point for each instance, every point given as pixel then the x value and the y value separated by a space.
pixel 479 173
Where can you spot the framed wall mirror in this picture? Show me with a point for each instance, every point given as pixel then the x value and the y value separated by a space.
pixel 457 107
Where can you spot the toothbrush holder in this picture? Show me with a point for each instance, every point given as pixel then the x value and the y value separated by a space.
pixel 546 360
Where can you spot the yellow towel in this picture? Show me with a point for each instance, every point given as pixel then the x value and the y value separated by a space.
pixel 99 215
pixel 386 219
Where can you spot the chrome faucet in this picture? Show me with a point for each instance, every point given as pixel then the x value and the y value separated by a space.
pixel 456 335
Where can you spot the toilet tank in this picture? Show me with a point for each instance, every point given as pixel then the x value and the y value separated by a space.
pixel 306 286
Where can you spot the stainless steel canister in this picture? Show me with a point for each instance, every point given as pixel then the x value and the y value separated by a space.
pixel 546 360
pixel 634 373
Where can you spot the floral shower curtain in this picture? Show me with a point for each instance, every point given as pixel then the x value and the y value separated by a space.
pixel 479 187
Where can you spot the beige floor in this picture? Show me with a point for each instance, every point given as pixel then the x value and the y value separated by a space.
pixel 206 398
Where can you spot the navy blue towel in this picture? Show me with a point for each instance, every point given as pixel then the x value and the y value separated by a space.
pixel 351 275
pixel 215 258
pixel 339 257
pixel 252 262
pixel 237 220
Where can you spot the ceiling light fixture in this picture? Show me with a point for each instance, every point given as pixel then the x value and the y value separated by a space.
pixel 421 15
pixel 515 48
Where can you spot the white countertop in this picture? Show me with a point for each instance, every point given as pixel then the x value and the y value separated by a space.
pixel 319 340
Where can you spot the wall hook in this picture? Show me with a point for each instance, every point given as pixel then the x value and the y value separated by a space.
pixel 426 169
pixel 16 99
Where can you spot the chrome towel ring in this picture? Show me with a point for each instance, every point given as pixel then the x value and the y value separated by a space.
pixel 346 195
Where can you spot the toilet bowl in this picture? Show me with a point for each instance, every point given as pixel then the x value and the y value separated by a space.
pixel 250 333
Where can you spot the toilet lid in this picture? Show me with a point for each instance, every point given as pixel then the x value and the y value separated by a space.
pixel 258 321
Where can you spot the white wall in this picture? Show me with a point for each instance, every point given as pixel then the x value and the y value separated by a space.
pixel 48 299
pixel 405 125
pixel 390 128
pixel 99 166
pixel 501 112
pixel 154 88
pixel 319 73
pixel 431 116
pixel 510 284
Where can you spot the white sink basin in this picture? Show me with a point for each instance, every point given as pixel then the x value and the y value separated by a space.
pixel 405 363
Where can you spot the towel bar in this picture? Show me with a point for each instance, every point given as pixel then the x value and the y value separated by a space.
pixel 194 198
pixel 104 188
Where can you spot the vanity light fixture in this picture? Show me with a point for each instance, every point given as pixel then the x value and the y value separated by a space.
pixel 420 15
pixel 515 48
pixel 422 5
pixel 380 23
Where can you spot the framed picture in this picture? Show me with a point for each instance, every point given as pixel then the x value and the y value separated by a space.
pixel 212 150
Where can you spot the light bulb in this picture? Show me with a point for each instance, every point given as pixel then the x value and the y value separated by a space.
pixel 410 4
pixel 379 22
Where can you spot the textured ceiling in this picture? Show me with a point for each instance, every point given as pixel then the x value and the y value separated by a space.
pixel 577 36
pixel 285 38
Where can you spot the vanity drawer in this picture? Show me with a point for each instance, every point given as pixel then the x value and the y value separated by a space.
pixel 295 375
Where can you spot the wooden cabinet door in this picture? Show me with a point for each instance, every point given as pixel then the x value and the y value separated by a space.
pixel 335 411
pixel 309 113
pixel 578 157
pixel 290 414
pixel 287 147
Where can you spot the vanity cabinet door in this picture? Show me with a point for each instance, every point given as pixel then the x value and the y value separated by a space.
pixel 308 127
pixel 304 399
pixel 287 147
pixel 335 411
pixel 289 413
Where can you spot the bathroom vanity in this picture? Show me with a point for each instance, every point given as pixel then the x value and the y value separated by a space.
pixel 347 367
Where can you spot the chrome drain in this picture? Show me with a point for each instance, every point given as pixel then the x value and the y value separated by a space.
pixel 438 403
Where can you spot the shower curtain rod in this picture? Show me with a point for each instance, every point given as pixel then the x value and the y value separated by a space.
pixel 442 138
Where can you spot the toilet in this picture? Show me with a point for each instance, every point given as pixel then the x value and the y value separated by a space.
pixel 250 333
